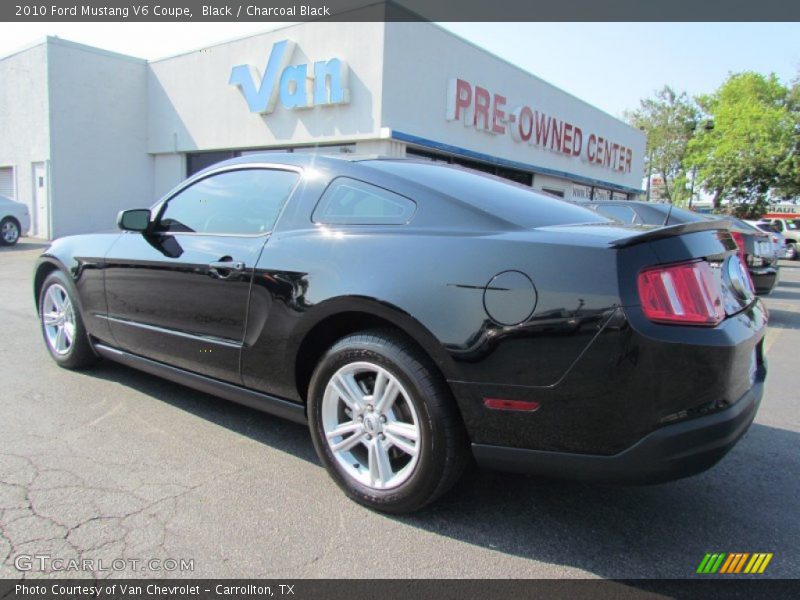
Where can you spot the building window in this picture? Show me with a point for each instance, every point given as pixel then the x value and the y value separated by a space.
pixel 516 175
pixel 7 182
pixel 619 196
pixel 601 194
pixel 198 161
pixel 582 192
pixel 553 192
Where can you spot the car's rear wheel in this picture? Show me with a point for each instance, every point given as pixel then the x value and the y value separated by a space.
pixel 62 325
pixel 9 231
pixel 384 423
pixel 791 251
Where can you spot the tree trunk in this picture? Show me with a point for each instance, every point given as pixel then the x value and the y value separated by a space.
pixel 667 193
pixel 717 198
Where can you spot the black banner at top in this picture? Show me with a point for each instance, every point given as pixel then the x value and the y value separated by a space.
pixel 398 10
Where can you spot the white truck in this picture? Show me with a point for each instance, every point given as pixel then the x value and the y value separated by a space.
pixel 789 226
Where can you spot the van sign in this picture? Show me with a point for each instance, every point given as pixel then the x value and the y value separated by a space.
pixel 296 85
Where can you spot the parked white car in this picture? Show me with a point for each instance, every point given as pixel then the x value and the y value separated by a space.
pixel 14 221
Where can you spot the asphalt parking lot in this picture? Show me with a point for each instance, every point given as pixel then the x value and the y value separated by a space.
pixel 115 464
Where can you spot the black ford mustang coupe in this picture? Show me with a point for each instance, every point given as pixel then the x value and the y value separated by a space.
pixel 415 313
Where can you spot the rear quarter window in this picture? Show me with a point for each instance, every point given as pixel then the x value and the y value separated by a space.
pixel 351 202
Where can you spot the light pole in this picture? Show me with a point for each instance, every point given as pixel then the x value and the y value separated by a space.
pixel 649 163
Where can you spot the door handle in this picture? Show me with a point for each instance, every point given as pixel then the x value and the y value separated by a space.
pixel 223 269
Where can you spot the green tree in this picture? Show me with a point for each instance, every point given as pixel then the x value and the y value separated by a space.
pixel 747 154
pixel 669 120
pixel 789 172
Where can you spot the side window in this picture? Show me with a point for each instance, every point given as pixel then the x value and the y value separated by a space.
pixel 620 213
pixel 352 202
pixel 245 201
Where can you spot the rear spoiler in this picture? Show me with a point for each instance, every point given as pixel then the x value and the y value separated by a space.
pixel 659 233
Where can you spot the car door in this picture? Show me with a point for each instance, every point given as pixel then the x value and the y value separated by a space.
pixel 179 293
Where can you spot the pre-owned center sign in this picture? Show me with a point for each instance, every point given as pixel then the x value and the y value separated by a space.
pixel 488 111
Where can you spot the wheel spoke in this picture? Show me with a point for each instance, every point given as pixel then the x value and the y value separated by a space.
pixel 51 319
pixel 60 338
pixel 348 443
pixel 399 429
pixel 69 332
pixel 58 299
pixel 380 469
pixel 387 398
pixel 408 447
pixel 344 428
pixel 349 393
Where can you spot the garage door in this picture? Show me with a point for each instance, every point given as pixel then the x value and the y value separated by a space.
pixel 7 182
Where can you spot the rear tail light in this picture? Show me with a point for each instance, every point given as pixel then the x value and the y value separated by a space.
pixel 685 294
pixel 739 239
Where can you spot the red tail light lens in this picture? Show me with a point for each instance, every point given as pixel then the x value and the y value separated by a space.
pixel 739 239
pixel 685 294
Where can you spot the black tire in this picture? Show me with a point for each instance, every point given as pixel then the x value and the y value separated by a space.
pixel 791 252
pixel 79 354
pixel 9 222
pixel 443 449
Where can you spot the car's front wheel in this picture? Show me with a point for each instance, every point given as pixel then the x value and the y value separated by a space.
pixel 791 252
pixel 384 424
pixel 9 232
pixel 62 325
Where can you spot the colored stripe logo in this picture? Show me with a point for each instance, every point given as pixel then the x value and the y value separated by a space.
pixel 734 562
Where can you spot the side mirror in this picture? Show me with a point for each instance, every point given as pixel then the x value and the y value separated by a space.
pixel 137 219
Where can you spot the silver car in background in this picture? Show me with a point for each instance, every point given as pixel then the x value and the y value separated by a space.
pixel 14 221
pixel 780 244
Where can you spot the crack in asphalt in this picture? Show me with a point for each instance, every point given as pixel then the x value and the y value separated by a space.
pixel 30 519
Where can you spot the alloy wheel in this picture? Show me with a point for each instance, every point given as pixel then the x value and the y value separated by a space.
pixel 10 232
pixel 371 425
pixel 58 319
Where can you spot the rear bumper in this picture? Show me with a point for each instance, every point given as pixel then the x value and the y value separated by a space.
pixel 670 452
pixel 764 278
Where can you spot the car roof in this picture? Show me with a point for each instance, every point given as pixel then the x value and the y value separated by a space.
pixel 628 202
pixel 301 159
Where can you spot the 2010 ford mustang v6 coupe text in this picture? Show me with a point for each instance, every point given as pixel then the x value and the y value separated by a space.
pixel 411 312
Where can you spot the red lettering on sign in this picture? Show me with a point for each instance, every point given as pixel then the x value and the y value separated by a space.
pixel 577 141
pixel 482 101
pixel 463 97
pixel 566 146
pixel 477 106
pixel 498 114
pixel 524 123
pixel 556 127
pixel 542 128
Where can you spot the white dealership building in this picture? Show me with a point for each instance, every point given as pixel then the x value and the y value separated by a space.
pixel 85 132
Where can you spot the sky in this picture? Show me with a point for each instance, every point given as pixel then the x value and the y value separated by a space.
pixel 609 65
